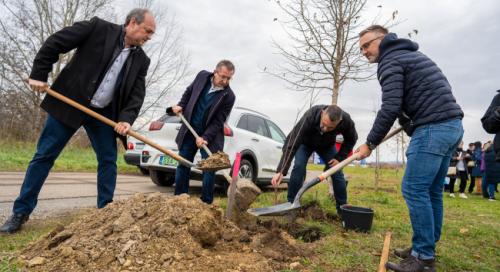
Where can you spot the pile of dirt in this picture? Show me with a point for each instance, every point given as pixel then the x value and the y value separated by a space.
pixel 156 233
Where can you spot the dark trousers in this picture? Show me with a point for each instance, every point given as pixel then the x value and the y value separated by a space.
pixel 55 135
pixel 463 182
pixel 299 174
pixel 472 180
pixel 188 151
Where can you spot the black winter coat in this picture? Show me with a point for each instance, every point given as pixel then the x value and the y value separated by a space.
pixel 307 132
pixel 411 84
pixel 95 42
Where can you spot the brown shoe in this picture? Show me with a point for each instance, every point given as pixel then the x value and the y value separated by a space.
pixel 403 253
pixel 412 264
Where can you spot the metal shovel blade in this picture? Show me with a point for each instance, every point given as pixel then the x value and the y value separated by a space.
pixel 280 209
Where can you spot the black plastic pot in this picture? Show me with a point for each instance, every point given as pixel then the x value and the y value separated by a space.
pixel 356 218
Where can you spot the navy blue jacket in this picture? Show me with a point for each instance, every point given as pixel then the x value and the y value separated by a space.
pixel 222 104
pixel 411 84
pixel 491 122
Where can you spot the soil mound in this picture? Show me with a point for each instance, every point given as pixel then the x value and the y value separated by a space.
pixel 156 233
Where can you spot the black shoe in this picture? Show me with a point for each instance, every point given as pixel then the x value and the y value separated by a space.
pixel 403 253
pixel 14 223
pixel 412 264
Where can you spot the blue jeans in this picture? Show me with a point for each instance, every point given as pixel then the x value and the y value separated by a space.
pixel 484 186
pixel 428 154
pixel 299 173
pixel 188 150
pixel 54 137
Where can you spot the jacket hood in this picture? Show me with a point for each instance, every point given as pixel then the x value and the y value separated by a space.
pixel 391 43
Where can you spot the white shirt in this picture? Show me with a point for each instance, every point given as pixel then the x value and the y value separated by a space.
pixel 104 93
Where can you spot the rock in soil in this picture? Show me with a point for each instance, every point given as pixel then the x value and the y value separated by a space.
pixel 158 233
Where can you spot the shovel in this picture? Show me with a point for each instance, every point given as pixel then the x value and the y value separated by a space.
pixel 230 180
pixel 113 124
pixel 217 159
pixel 285 208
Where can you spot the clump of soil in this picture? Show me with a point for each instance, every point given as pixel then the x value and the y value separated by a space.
pixel 296 224
pixel 216 161
pixel 156 233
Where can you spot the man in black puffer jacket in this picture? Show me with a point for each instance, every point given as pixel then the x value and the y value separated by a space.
pixel 416 91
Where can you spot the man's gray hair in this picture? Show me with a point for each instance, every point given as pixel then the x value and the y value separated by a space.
pixel 226 63
pixel 138 14
pixel 374 28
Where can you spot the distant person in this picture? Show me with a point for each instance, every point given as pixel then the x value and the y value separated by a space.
pixel 206 104
pixel 491 171
pixel 471 163
pixel 476 172
pixel 491 123
pixel 459 160
pixel 316 132
pixel 416 91
pixel 107 74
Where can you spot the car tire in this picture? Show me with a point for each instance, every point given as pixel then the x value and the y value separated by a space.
pixel 247 170
pixel 143 171
pixel 162 179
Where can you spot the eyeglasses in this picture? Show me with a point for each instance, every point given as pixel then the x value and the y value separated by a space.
pixel 223 77
pixel 367 44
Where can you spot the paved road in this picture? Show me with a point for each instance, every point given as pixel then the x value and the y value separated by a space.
pixel 66 191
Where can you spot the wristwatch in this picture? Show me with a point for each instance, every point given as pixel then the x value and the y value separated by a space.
pixel 371 146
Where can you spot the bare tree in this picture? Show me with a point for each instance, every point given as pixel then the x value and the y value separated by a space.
pixel 324 52
pixel 25 25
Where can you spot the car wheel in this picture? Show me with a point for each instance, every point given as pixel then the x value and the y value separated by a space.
pixel 144 171
pixel 162 178
pixel 246 170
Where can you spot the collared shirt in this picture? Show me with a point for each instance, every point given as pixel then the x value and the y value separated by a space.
pixel 104 93
pixel 213 88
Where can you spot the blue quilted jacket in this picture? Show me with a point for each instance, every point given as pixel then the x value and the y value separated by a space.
pixel 413 85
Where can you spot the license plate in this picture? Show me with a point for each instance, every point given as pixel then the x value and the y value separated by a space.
pixel 167 160
pixel 139 146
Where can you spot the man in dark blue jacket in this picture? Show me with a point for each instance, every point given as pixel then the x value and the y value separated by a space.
pixel 206 104
pixel 416 91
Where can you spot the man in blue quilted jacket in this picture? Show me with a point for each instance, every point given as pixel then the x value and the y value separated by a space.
pixel 415 91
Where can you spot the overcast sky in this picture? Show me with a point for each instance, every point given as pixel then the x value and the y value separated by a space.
pixel 460 36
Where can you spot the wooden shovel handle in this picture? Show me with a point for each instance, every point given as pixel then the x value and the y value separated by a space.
pixel 113 124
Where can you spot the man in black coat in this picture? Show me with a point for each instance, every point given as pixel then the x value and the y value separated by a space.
pixel 206 104
pixel 107 73
pixel 316 132
pixel 415 90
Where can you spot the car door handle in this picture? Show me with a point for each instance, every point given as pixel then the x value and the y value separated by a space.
pixel 279 147
pixel 255 139
pixel 178 128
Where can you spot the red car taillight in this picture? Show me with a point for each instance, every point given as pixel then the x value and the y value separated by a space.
pixel 130 146
pixel 228 131
pixel 155 125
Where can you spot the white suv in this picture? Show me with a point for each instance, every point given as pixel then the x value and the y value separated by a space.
pixel 253 134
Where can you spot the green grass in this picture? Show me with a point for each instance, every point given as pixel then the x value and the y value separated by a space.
pixel 477 248
pixel 470 239
pixel 15 156
pixel 32 231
